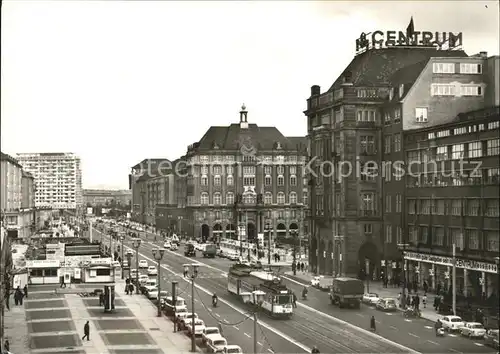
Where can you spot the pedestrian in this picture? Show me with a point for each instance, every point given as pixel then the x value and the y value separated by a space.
pixel 294 299
pixel 86 331
pixel 373 325
pixel 18 296
pixel 302 266
pixel 25 290
pixel 6 346
pixel 424 300
pixel 131 289
pixel 399 300
pixel 186 271
pixel 63 284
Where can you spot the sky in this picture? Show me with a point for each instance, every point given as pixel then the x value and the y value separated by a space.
pixel 117 82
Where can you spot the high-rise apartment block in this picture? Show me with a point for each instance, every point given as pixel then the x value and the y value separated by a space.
pixel 58 178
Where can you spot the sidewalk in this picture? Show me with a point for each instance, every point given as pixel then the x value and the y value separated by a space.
pixel 377 287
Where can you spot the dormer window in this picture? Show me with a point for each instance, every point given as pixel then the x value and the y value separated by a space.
pixel 278 145
pixel 401 90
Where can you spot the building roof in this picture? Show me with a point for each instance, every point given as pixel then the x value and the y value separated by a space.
pixel 233 137
pixel 407 77
pixel 6 157
pixel 375 67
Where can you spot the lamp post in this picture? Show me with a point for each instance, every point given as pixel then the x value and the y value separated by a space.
pixel 136 243
pixel 194 274
pixel 129 260
pixel 402 248
pixel 294 233
pixel 268 229
pixel 158 255
pixel 121 239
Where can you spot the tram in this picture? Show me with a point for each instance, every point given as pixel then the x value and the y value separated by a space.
pixel 254 286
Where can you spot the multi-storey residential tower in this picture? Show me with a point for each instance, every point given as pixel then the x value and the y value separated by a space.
pixel 58 178
pixel 246 179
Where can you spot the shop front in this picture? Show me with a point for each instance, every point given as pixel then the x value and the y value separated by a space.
pixel 98 270
pixel 44 271
pixel 473 278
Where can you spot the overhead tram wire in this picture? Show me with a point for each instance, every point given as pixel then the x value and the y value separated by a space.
pixel 247 315
pixel 265 338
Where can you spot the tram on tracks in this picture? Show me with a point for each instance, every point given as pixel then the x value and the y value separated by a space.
pixel 254 286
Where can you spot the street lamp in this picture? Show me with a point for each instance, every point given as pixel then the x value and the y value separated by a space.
pixel 194 274
pixel 121 239
pixel 129 260
pixel 158 255
pixel 294 233
pixel 136 243
pixel 268 229
pixel 402 248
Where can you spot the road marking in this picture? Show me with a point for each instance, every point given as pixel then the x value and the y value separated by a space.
pixel 259 343
pixel 454 350
pixel 217 315
pixel 428 327
pixel 196 300
pixel 246 334
pixel 452 335
pixel 276 331
pixel 269 350
pixel 360 315
pixel 236 328
pixel 413 335
pixel 407 320
pixel 394 327
pixel 433 342
pixel 479 344
pixel 295 281
pixel 388 314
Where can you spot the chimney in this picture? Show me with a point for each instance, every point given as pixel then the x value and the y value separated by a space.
pixel 243 117
pixel 315 90
pixel 483 55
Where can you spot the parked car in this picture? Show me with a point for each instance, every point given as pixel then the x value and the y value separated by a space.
pixel 143 263
pixel 185 316
pixel 473 330
pixel 387 304
pixel 152 270
pixel 371 298
pixel 491 338
pixel 153 294
pixel 168 304
pixel 321 282
pixel 208 332
pixel 174 247
pixel 167 245
pixel 232 349
pixel 143 278
pixel 116 264
pixel 133 272
pixel 452 323
pixel 216 344
pixel 232 256
pixel 199 327
pixel 150 285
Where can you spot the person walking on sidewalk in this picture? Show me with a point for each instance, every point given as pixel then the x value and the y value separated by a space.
pixel 25 290
pixel 373 325
pixel 86 331
pixel 6 346
pixel 18 296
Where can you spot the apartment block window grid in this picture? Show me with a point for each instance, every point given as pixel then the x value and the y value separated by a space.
pixel 443 68
pixel 470 68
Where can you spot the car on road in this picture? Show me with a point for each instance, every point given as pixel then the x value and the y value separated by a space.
pixel 174 247
pixel 209 332
pixel 371 298
pixel 491 338
pixel 143 278
pixel 232 349
pixel 168 304
pixel 387 304
pixel 452 323
pixel 133 272
pixel 116 264
pixel 232 256
pixel 185 316
pixel 216 344
pixel 150 285
pixel 143 263
pixel 153 294
pixel 152 270
pixel 198 328
pixel 167 245
pixel 473 330
pixel 321 282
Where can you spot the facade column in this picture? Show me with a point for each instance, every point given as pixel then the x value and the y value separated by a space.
pixel 433 276
pixel 483 283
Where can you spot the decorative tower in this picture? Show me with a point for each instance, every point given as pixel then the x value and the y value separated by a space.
pixel 243 117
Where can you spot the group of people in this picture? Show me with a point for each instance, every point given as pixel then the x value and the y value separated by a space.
pixel 299 266
pixel 413 301
pixel 19 295
pixel 129 287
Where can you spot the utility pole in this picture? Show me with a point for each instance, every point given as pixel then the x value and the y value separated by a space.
pixel 194 274
pixel 268 229
pixel 246 233
pixel 255 326
pixel 454 283
pixel 174 301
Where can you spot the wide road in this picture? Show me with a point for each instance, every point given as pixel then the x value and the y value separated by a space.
pixel 417 334
pixel 307 328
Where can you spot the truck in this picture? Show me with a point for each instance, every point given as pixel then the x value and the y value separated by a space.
pixel 210 250
pixel 189 250
pixel 347 292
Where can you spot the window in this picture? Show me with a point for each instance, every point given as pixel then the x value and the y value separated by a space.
pixel 281 198
pixel 421 114
pixel 293 198
pixel 472 128
pixel 492 209
pixel 217 199
pixel 249 199
pixel 388 234
pixel 475 149
pixel 387 144
pixel 387 118
pixel 457 151
pixel 438 236
pixel 367 228
pixel 204 181
pixel 493 147
pixel 268 198
pixel 230 180
pixel 217 170
pixel 305 198
pixel 442 153
pixel 431 136
pixel 440 205
pixel 480 127
pixel 293 169
pixel 413 156
pixel 473 207
pixel 268 170
pixel 204 198
pixel 367 144
pixel 399 235
pixel 397 142
pixel 493 174
pixel 249 181
pixel 458 131
pixel 493 125
pixel 387 203
pixel 368 171
pixel 443 68
pixel 442 90
pixel 103 272
pixel 443 133
pixel 267 181
pixel 281 180
pixel 204 170
pixel 229 198
pixel 456 237
pixel 365 116
pixel 413 234
pixel 249 170
pixel 280 170
pixel 424 235
pixel 472 238
pixel 217 181
pixel 368 203
pixel 293 180
pixel 398 203
pixel 470 68
pixel 492 241
pixel 471 90
pixel 456 207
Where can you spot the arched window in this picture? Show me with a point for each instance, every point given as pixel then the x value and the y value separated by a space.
pixel 293 180
pixel 293 198
pixel 204 198
pixel 281 181
pixel 216 180
pixel 229 180
pixel 281 198
pixel 268 198
pixel 217 199
pixel 229 198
